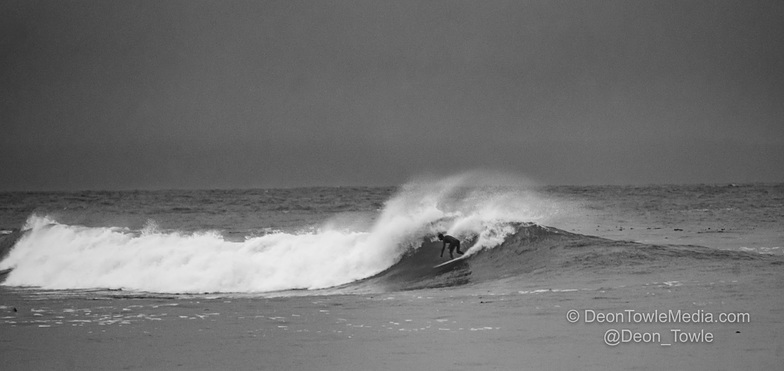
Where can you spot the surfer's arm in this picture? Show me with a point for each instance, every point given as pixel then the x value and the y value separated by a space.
pixel 442 249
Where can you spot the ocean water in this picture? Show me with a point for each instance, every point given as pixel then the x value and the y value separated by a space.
pixel 279 240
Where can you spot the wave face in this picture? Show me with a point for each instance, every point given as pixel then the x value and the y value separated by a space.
pixel 475 208
pixel 533 249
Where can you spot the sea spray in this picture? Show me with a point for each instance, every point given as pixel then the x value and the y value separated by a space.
pixel 61 256
pixel 482 205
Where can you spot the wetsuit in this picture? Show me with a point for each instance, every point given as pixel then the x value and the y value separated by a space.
pixel 454 243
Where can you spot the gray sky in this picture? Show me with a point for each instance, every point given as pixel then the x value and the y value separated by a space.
pixel 203 94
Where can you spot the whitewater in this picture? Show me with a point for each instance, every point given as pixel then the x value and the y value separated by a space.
pixel 196 244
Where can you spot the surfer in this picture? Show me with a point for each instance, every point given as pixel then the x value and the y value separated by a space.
pixel 453 243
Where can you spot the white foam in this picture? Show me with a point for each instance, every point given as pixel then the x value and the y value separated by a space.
pixel 763 250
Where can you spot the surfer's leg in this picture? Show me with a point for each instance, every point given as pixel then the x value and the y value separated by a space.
pixel 458 249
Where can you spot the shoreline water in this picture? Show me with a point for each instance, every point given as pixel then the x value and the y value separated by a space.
pixel 519 322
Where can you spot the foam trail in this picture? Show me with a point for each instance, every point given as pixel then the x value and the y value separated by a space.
pixel 59 256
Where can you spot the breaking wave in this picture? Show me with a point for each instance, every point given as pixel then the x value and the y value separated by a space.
pixel 478 208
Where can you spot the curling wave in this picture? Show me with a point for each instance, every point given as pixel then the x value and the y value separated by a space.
pixel 52 255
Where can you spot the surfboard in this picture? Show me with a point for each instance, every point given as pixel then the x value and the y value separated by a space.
pixel 451 261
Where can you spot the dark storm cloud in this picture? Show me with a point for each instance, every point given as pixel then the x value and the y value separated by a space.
pixel 137 94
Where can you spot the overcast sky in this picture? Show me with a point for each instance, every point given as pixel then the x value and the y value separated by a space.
pixel 224 94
